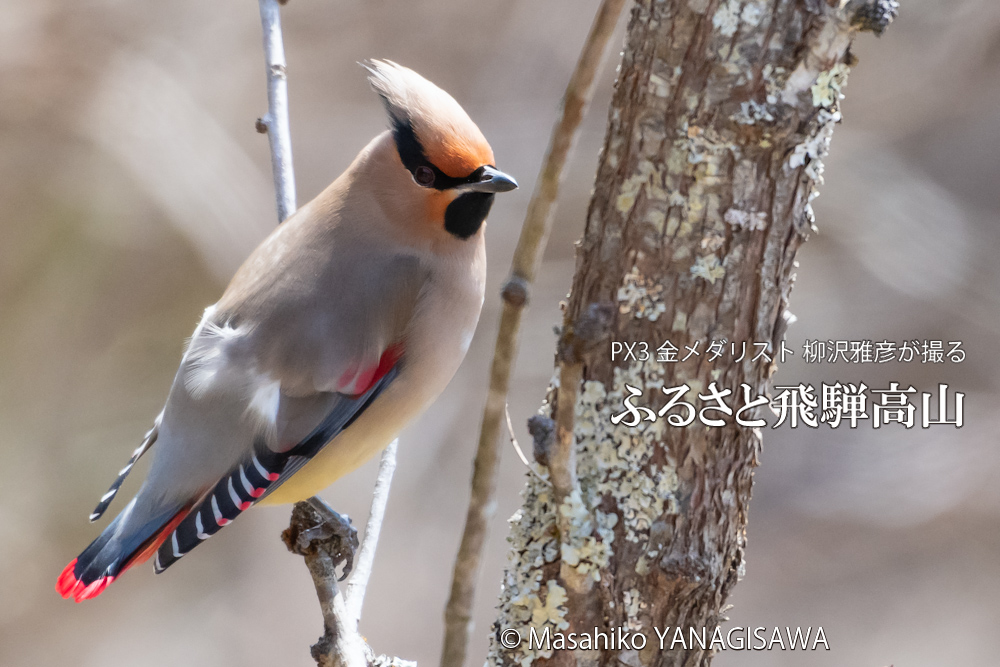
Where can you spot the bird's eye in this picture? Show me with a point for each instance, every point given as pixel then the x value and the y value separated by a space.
pixel 424 176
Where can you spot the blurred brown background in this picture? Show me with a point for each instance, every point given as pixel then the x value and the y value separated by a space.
pixel 132 184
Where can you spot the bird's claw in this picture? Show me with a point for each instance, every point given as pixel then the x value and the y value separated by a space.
pixel 316 526
pixel 338 527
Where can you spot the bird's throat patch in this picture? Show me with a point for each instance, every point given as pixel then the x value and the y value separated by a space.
pixel 465 215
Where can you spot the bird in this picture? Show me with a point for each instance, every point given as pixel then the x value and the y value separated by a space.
pixel 344 324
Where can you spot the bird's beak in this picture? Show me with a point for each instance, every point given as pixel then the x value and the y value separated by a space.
pixel 492 180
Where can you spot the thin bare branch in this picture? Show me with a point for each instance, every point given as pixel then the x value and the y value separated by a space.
pixel 366 557
pixel 534 234
pixel 319 542
pixel 275 122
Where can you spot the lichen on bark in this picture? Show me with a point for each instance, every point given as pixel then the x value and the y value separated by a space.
pixel 721 117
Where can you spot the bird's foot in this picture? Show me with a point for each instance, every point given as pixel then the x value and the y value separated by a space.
pixel 317 526
pixel 342 529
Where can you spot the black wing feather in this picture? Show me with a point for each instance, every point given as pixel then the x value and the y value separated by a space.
pixel 252 480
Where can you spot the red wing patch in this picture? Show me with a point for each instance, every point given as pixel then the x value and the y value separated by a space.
pixel 356 380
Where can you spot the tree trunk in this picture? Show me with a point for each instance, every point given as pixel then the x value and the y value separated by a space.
pixel 721 116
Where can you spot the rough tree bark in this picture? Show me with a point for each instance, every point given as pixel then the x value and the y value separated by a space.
pixel 722 114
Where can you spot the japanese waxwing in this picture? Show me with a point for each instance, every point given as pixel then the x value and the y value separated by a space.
pixel 345 324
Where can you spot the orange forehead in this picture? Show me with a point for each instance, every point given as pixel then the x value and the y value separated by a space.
pixel 457 154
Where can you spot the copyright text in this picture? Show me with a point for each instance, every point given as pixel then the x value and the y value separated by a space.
pixel 739 638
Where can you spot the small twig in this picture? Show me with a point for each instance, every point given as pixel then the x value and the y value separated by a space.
pixel 366 557
pixel 513 439
pixel 578 335
pixel 517 445
pixel 562 455
pixel 275 122
pixel 534 234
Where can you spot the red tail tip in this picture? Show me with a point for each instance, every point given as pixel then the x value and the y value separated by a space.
pixel 68 586
pixel 67 581
pixel 93 590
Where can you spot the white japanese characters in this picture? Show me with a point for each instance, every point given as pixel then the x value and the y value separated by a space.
pixel 813 351
pixel 798 405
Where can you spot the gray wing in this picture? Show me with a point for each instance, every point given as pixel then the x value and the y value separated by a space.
pixel 258 475
pixel 290 354
pixel 295 334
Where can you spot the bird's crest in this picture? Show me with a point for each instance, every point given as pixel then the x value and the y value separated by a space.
pixel 427 123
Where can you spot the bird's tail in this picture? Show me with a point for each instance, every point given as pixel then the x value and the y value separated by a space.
pixel 124 543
